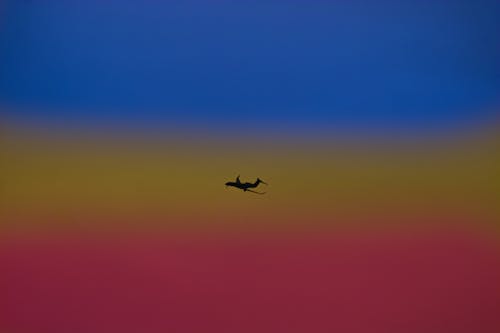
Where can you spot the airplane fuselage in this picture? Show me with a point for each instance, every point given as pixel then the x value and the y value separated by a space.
pixel 245 186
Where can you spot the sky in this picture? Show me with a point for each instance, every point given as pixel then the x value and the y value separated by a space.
pixel 105 235
pixel 340 65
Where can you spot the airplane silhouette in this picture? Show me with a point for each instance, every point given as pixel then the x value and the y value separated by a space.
pixel 246 186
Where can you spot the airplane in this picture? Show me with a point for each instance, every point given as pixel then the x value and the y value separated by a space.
pixel 246 186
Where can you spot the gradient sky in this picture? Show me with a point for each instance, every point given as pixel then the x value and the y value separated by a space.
pixel 282 64
pixel 142 236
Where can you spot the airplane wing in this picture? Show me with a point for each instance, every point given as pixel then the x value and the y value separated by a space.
pixel 256 192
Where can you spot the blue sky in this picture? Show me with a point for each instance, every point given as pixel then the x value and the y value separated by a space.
pixel 379 65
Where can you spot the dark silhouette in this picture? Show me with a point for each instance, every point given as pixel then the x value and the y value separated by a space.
pixel 246 186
